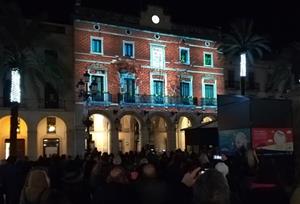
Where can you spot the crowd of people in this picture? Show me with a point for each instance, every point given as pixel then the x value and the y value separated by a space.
pixel 144 177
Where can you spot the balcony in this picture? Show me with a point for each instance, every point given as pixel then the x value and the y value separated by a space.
pixel 152 100
pixel 211 102
pixel 32 104
pixel 103 98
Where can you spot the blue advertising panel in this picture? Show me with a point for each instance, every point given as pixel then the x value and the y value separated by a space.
pixel 231 140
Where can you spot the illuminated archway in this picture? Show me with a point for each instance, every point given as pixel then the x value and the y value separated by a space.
pixel 100 131
pixel 51 136
pixel 158 133
pixel 5 133
pixel 183 122
pixel 207 119
pixel 129 134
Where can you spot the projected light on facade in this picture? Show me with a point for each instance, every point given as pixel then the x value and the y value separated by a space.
pixel 15 94
pixel 243 65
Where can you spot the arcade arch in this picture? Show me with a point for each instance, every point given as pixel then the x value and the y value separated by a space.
pixel 51 136
pixel 101 134
pixel 130 134
pixel 22 136
pixel 183 122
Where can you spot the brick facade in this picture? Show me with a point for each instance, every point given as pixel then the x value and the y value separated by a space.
pixel 113 37
pixel 114 65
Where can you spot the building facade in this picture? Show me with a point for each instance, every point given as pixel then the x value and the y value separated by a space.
pixel 46 112
pixel 150 83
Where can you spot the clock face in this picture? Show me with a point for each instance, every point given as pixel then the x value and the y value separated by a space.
pixel 155 19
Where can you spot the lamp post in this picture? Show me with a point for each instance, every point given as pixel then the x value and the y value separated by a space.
pixel 15 99
pixel 85 92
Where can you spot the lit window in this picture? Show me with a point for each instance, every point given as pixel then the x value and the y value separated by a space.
pixel 128 49
pixel 208 59
pixel 184 55
pixel 157 56
pixel 96 45
pixel 184 89
pixel 51 124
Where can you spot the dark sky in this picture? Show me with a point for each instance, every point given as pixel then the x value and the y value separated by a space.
pixel 280 20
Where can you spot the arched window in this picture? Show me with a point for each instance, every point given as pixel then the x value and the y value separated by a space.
pixel 51 97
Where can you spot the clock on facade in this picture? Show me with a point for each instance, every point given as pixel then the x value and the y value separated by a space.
pixel 155 19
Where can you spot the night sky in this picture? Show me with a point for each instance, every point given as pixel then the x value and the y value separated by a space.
pixel 279 20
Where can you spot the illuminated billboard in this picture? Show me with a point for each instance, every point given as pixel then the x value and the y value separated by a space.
pixel 232 140
pixel 272 139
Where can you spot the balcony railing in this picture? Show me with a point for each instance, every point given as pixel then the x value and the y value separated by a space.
pixel 208 102
pixel 27 103
pixel 101 97
pixel 155 100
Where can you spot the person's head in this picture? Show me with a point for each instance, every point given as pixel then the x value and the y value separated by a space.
pixel 149 171
pixel 117 175
pixel 38 178
pixel 211 188
pixel 222 168
pixel 240 140
pixel 279 137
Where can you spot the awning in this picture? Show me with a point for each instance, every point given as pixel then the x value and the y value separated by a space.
pixel 204 134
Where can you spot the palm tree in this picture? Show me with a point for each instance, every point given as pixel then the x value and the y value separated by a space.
pixel 242 41
pixel 20 40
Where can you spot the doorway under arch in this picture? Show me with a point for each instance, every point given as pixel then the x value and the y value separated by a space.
pixel 183 122
pixel 100 132
pixel 129 134
pixel 51 136
pixel 158 133
pixel 22 134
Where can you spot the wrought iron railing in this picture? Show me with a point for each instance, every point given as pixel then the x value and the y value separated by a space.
pixel 208 102
pixel 155 100
pixel 101 97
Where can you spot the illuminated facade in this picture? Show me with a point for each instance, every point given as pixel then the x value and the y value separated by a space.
pixel 46 116
pixel 151 81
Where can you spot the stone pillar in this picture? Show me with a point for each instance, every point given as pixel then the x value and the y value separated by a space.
pixel 32 144
pixel 144 135
pixel 70 142
pixel 171 138
pixel 78 143
pixel 114 139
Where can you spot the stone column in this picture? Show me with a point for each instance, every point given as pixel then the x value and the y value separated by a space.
pixel 114 139
pixel 144 135
pixel 171 138
pixel 78 143
pixel 32 144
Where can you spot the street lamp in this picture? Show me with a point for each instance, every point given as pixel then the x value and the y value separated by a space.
pixel 15 99
pixel 85 92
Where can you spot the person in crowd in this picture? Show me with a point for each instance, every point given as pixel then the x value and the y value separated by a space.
pixel 222 168
pixel 211 187
pixel 74 185
pixel 36 188
pixel 150 189
pixel 295 198
pixel 116 190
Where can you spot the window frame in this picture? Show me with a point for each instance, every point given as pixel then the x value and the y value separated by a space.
pixel 133 50
pixel 152 45
pixel 91 45
pixel 188 55
pixel 212 59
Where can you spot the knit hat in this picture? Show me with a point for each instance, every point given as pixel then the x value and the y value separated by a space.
pixel 222 167
pixel 117 160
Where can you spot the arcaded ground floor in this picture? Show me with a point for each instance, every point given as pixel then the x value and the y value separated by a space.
pixel 112 130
